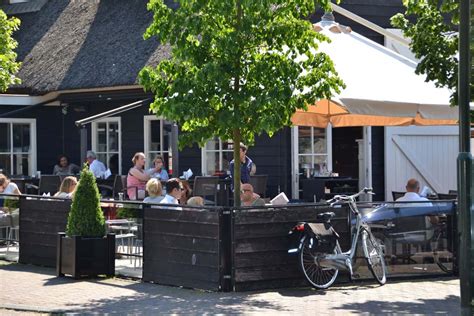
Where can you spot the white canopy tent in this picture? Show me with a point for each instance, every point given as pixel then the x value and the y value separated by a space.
pixel 382 88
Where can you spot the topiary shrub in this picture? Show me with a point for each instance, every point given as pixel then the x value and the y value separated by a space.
pixel 86 217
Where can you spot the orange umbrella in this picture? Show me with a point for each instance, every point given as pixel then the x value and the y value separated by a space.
pixel 326 111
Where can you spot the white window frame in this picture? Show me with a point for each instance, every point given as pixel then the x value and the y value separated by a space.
pixel 204 153
pixel 115 119
pixel 295 184
pixel 147 119
pixel 32 122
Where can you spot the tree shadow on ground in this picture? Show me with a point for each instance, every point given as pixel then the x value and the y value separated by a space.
pixel 446 306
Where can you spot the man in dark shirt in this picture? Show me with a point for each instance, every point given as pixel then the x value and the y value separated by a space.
pixel 245 165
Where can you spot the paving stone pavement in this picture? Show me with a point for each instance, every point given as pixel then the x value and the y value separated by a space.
pixel 34 289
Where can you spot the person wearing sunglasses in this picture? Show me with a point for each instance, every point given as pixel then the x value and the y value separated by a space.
pixel 173 191
pixel 248 197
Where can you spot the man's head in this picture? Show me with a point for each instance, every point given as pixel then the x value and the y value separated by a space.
pixel 90 156
pixel 174 188
pixel 413 186
pixel 246 192
pixel 243 152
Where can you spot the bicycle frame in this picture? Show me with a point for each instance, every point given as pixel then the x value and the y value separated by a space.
pixel 343 261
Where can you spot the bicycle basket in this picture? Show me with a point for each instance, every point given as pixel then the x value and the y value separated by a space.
pixel 324 236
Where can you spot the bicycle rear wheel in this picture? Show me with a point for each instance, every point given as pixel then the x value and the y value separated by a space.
pixel 375 257
pixel 318 276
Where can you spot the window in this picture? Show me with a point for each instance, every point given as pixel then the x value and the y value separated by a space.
pixel 158 141
pixel 107 143
pixel 18 146
pixel 312 150
pixel 216 156
pixel 312 153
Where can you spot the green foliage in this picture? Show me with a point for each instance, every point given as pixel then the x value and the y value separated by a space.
pixel 236 69
pixel 11 204
pixel 86 217
pixel 433 39
pixel 125 212
pixel 8 66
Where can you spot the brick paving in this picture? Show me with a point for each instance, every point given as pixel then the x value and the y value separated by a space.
pixel 25 289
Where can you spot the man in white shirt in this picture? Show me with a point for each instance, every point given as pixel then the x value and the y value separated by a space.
pixel 173 192
pixel 412 194
pixel 95 166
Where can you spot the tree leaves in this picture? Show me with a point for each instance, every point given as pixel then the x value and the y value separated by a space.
pixel 8 65
pixel 237 68
pixel 434 41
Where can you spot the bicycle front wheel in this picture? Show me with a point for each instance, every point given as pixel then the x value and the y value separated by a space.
pixel 317 275
pixel 375 257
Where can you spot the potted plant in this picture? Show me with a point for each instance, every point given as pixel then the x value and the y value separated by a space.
pixel 85 249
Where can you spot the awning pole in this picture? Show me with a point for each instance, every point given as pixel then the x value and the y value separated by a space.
pixel 83 144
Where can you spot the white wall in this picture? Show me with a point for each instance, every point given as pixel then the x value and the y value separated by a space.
pixel 428 154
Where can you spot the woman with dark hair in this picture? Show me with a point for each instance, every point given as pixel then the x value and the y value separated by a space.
pixel 64 168
pixel 158 171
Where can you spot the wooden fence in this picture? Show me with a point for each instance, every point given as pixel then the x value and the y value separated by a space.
pixel 40 222
pixel 260 244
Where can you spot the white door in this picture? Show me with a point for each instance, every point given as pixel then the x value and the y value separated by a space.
pixel 427 153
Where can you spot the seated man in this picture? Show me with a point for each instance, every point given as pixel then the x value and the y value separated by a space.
pixel 95 166
pixel 412 194
pixel 248 197
pixel 173 192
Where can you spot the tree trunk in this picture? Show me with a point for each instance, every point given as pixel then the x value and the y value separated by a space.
pixel 236 139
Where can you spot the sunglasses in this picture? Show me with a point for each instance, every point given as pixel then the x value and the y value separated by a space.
pixel 245 190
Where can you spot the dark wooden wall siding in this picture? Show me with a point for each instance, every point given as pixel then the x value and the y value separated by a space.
pixel 39 227
pixel 378 163
pixel 260 245
pixel 272 156
pixel 182 248
pixel 190 157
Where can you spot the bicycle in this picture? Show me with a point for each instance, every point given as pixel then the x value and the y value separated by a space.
pixel 320 255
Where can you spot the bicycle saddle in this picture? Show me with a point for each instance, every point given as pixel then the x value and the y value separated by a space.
pixel 325 216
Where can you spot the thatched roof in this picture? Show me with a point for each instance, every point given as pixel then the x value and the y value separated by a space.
pixel 85 44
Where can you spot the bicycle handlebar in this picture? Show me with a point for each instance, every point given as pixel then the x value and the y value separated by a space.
pixel 348 198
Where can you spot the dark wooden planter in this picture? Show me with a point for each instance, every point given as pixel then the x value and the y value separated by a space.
pixel 85 256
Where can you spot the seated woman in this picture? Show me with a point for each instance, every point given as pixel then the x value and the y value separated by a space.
pixel 137 178
pixel 64 168
pixel 155 191
pixel 8 187
pixel 185 192
pixel 158 171
pixel 67 188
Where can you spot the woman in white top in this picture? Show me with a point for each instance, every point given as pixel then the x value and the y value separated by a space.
pixel 67 188
pixel 8 187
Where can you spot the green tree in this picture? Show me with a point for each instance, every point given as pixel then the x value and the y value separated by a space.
pixel 86 217
pixel 8 65
pixel 236 68
pixel 431 25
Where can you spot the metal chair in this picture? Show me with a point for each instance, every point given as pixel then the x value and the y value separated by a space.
pixel 396 195
pixel 49 183
pixel 206 187
pixel 259 184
